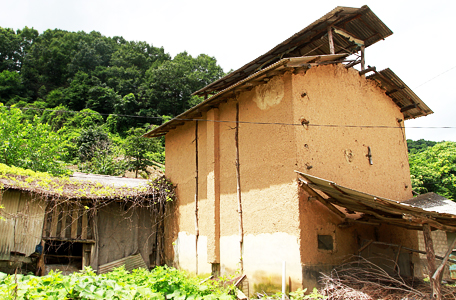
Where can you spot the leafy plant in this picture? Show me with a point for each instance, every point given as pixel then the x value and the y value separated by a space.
pixel 159 284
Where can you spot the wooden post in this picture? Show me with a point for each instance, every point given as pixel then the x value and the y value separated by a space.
pixel 238 180
pixel 331 40
pixel 40 265
pixel 439 270
pixel 430 255
pixel 363 59
pixel 196 196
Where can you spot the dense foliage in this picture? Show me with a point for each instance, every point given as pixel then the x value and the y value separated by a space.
pixel 419 145
pixel 86 99
pixel 73 139
pixel 78 70
pixel 160 284
pixel 433 169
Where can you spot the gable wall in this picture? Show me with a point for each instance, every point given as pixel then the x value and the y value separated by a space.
pixel 274 231
pixel 336 96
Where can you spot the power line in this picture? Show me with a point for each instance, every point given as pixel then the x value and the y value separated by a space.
pixel 244 122
pixel 436 76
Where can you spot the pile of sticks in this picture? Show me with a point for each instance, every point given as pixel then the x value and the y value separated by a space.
pixel 363 280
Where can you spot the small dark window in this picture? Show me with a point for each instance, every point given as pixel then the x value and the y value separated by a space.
pixel 325 242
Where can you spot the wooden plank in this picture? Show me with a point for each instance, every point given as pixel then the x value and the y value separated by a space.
pixel 363 59
pixel 323 201
pixel 430 255
pixel 84 225
pixel 238 187
pixel 365 246
pixel 55 220
pixel 64 218
pixel 331 40
pixel 87 241
pixel 196 204
pixel 86 254
pixel 74 223
pixel 411 250
pixel 439 270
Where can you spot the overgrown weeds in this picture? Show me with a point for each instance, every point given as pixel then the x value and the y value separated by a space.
pixel 160 284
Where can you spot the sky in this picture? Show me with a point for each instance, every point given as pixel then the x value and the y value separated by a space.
pixel 237 31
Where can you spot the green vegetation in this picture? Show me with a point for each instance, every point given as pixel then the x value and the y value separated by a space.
pixel 433 169
pixel 419 145
pixel 161 283
pixel 84 99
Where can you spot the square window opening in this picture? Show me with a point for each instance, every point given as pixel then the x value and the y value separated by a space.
pixel 325 242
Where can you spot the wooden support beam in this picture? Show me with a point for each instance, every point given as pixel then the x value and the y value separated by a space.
pixel 411 250
pixel 370 69
pixel 55 220
pixel 439 270
pixel 84 225
pixel 397 260
pixel 64 218
pixel 196 196
pixel 74 222
pixel 321 199
pixel 40 265
pixel 430 255
pixel 365 246
pixel 409 107
pixel 331 40
pixel 363 59
pixel 238 183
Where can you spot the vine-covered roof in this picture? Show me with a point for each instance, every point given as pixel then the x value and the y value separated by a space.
pixel 84 186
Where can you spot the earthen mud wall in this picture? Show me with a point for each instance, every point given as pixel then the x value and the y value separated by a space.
pixel 279 222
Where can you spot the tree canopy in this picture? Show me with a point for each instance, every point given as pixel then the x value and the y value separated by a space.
pixel 433 169
pixel 110 75
pixel 77 98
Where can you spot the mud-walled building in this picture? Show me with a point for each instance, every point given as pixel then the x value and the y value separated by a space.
pixel 303 106
pixel 85 220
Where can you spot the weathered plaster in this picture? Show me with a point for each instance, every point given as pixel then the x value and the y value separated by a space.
pixel 273 205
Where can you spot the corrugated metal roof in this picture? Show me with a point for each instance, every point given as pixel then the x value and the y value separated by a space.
pixel 409 103
pixel 377 209
pixel 130 263
pixel 361 23
pixel 115 181
pixel 433 202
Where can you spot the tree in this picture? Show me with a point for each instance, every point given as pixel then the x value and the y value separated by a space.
pixel 419 145
pixel 169 86
pixel 434 170
pixel 29 144
pixel 138 150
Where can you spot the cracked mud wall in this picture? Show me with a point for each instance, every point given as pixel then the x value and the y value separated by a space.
pixel 279 221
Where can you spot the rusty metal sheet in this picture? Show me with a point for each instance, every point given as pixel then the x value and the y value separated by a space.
pixel 401 94
pixel 130 263
pixel 381 209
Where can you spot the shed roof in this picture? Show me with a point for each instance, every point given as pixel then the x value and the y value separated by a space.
pixel 359 23
pixel 81 186
pixel 412 214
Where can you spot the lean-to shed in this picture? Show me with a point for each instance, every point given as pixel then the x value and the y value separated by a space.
pixel 84 220
pixel 301 106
